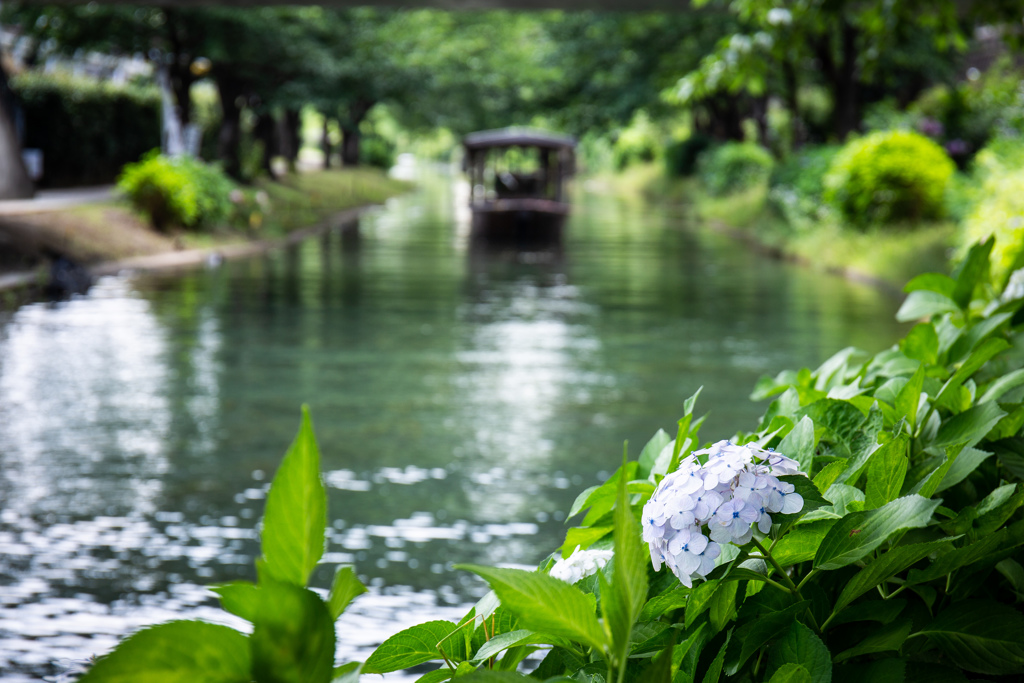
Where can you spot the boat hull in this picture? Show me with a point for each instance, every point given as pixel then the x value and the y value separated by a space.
pixel 525 220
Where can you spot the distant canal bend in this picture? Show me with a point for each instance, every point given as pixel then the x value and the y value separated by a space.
pixel 462 398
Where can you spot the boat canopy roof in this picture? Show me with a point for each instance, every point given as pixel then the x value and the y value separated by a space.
pixel 518 137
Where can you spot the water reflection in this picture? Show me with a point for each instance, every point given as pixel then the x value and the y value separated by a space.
pixel 462 397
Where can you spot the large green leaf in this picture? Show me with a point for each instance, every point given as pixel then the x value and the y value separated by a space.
pixel 799 443
pixel 649 455
pixel 853 537
pixel 965 463
pixel 545 604
pixel 296 511
pixel 972 271
pixel 241 598
pixel 1005 539
pixel 1011 455
pixel 886 565
pixel 801 543
pixel 293 637
pixel 884 639
pixel 970 426
pixel 753 634
pixel 504 641
pixel 801 646
pixel 887 469
pixel 176 652
pixel 933 282
pixel 410 647
pixel 980 356
pixel 922 303
pixel 622 604
pixel 1001 385
pixel 983 636
pixel 921 343
pixel 791 673
pixel 660 604
pixel 344 589
pixel 909 397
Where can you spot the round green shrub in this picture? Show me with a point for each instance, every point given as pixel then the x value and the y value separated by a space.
pixel 889 177
pixel 179 191
pixel 735 166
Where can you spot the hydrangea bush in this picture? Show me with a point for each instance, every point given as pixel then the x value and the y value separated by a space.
pixel 870 528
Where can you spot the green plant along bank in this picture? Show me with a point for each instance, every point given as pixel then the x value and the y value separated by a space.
pixel 898 559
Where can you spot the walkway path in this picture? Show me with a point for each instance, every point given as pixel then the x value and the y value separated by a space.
pixel 53 200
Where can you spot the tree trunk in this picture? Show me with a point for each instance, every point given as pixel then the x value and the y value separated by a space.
pixel 846 115
pixel 289 134
pixel 349 146
pixel 264 132
pixel 793 103
pixel 229 137
pixel 14 180
pixel 350 132
pixel 325 142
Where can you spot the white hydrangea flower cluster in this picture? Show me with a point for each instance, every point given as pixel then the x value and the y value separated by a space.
pixel 700 506
pixel 580 564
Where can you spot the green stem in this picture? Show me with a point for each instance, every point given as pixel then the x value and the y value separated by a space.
pixel 785 577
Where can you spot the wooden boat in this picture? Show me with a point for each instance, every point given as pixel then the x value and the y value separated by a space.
pixel 517 182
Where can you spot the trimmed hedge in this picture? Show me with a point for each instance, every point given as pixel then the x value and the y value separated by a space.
pixel 87 130
pixel 889 177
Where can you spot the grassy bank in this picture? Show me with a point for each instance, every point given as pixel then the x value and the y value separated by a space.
pixel 111 231
pixel 889 256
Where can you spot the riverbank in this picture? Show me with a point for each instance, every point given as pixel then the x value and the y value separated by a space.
pixel 108 236
pixel 886 258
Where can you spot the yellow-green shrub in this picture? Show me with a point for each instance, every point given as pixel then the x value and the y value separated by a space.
pixel 177 191
pixel 889 177
pixel 999 211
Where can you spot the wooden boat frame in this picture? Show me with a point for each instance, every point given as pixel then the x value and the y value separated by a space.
pixel 509 202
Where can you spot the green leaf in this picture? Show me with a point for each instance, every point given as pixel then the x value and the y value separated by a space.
pixel 293 637
pixel 714 671
pixel 970 426
pixel 921 343
pixel 829 473
pixel 801 646
pixel 801 543
pixel 791 673
pixel 933 282
pixel 545 604
pixel 700 600
pixel 723 605
pixel 649 455
pixel 799 443
pixel 583 537
pixel 489 676
pixel 176 652
pixel 887 469
pixel 1000 386
pixel 1011 455
pixel 909 397
pixel 988 349
pixel 660 670
pixel 1002 540
pixel 884 639
pixel 882 611
pixel 982 636
pixel 436 676
pixel 856 535
pixel 749 637
pixel 965 463
pixel 973 270
pixel 347 673
pixel 504 641
pixel 296 511
pixel 623 603
pixel 344 589
pixel 666 602
pixel 410 647
pixel 923 303
pixel 239 598
pixel 884 566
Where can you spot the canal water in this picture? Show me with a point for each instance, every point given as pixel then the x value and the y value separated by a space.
pixel 462 397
